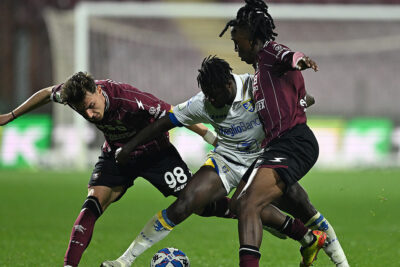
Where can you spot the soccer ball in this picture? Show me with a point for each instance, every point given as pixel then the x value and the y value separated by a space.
pixel 169 257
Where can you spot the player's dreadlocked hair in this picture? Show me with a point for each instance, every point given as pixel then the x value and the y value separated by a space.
pixel 254 16
pixel 75 88
pixel 214 73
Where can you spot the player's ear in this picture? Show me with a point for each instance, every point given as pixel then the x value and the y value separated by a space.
pixel 98 89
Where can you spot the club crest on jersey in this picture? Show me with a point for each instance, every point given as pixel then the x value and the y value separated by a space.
pixel 225 169
pixel 277 47
pixel 183 105
pixel 248 105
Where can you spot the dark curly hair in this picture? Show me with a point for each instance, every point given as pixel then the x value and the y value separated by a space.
pixel 255 17
pixel 75 88
pixel 214 73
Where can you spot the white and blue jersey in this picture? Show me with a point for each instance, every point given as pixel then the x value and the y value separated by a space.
pixel 239 130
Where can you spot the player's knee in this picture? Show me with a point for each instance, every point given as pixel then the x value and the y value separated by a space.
pixel 92 203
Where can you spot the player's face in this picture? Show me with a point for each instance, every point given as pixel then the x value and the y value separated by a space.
pixel 221 96
pixel 240 37
pixel 93 106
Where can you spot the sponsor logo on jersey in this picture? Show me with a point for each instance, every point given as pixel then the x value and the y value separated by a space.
pixel 260 105
pixel 248 105
pixel 238 128
pixel 303 103
pixel 155 110
pixel 247 146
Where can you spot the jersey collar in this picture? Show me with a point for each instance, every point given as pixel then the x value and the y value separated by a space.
pixel 239 88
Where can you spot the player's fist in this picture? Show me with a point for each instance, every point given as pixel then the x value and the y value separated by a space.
pixel 305 63
pixel 5 118
pixel 121 156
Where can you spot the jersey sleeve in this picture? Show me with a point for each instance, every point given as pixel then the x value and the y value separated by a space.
pixel 189 112
pixel 56 94
pixel 282 57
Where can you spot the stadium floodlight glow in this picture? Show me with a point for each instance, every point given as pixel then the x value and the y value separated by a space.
pixel 84 10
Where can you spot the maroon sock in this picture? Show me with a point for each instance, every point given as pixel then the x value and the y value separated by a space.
pixel 80 237
pixel 294 229
pixel 249 256
pixel 249 261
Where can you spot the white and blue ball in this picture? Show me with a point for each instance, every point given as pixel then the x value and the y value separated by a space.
pixel 170 257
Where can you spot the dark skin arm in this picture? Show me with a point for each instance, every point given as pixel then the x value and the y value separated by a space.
pixel 310 100
pixel 148 133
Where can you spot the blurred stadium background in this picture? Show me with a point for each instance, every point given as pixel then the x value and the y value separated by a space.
pixel 356 119
pixel 357 88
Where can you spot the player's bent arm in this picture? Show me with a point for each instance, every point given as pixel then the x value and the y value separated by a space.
pixel 38 99
pixel 148 133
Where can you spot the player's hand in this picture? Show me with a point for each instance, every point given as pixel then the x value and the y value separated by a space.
pixel 121 156
pixel 5 118
pixel 305 63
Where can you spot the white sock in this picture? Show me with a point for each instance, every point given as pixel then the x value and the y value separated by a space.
pixel 332 247
pixel 155 230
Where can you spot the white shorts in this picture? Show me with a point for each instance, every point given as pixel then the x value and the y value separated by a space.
pixel 230 173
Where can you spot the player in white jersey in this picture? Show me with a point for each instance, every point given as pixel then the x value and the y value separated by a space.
pixel 238 127
pixel 227 105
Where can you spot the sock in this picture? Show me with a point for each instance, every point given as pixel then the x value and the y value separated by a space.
pixel 80 237
pixel 155 230
pixel 219 208
pixel 333 248
pixel 294 228
pixel 249 256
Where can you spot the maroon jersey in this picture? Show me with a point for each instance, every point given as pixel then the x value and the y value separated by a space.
pixel 278 90
pixel 128 110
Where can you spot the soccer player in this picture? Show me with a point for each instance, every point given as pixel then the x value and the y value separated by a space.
pixel 226 103
pixel 119 111
pixel 291 147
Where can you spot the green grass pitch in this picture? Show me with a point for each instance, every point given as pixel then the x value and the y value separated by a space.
pixel 37 210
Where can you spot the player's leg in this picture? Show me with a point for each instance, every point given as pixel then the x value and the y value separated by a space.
pixel 262 188
pixel 204 187
pixel 107 184
pixel 98 199
pixel 297 203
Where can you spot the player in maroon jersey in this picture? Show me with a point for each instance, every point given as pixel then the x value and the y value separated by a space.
pixel 291 148
pixel 120 111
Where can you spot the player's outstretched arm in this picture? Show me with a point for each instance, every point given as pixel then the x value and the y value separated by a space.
pixel 305 62
pixel 208 136
pixel 38 99
pixel 148 133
